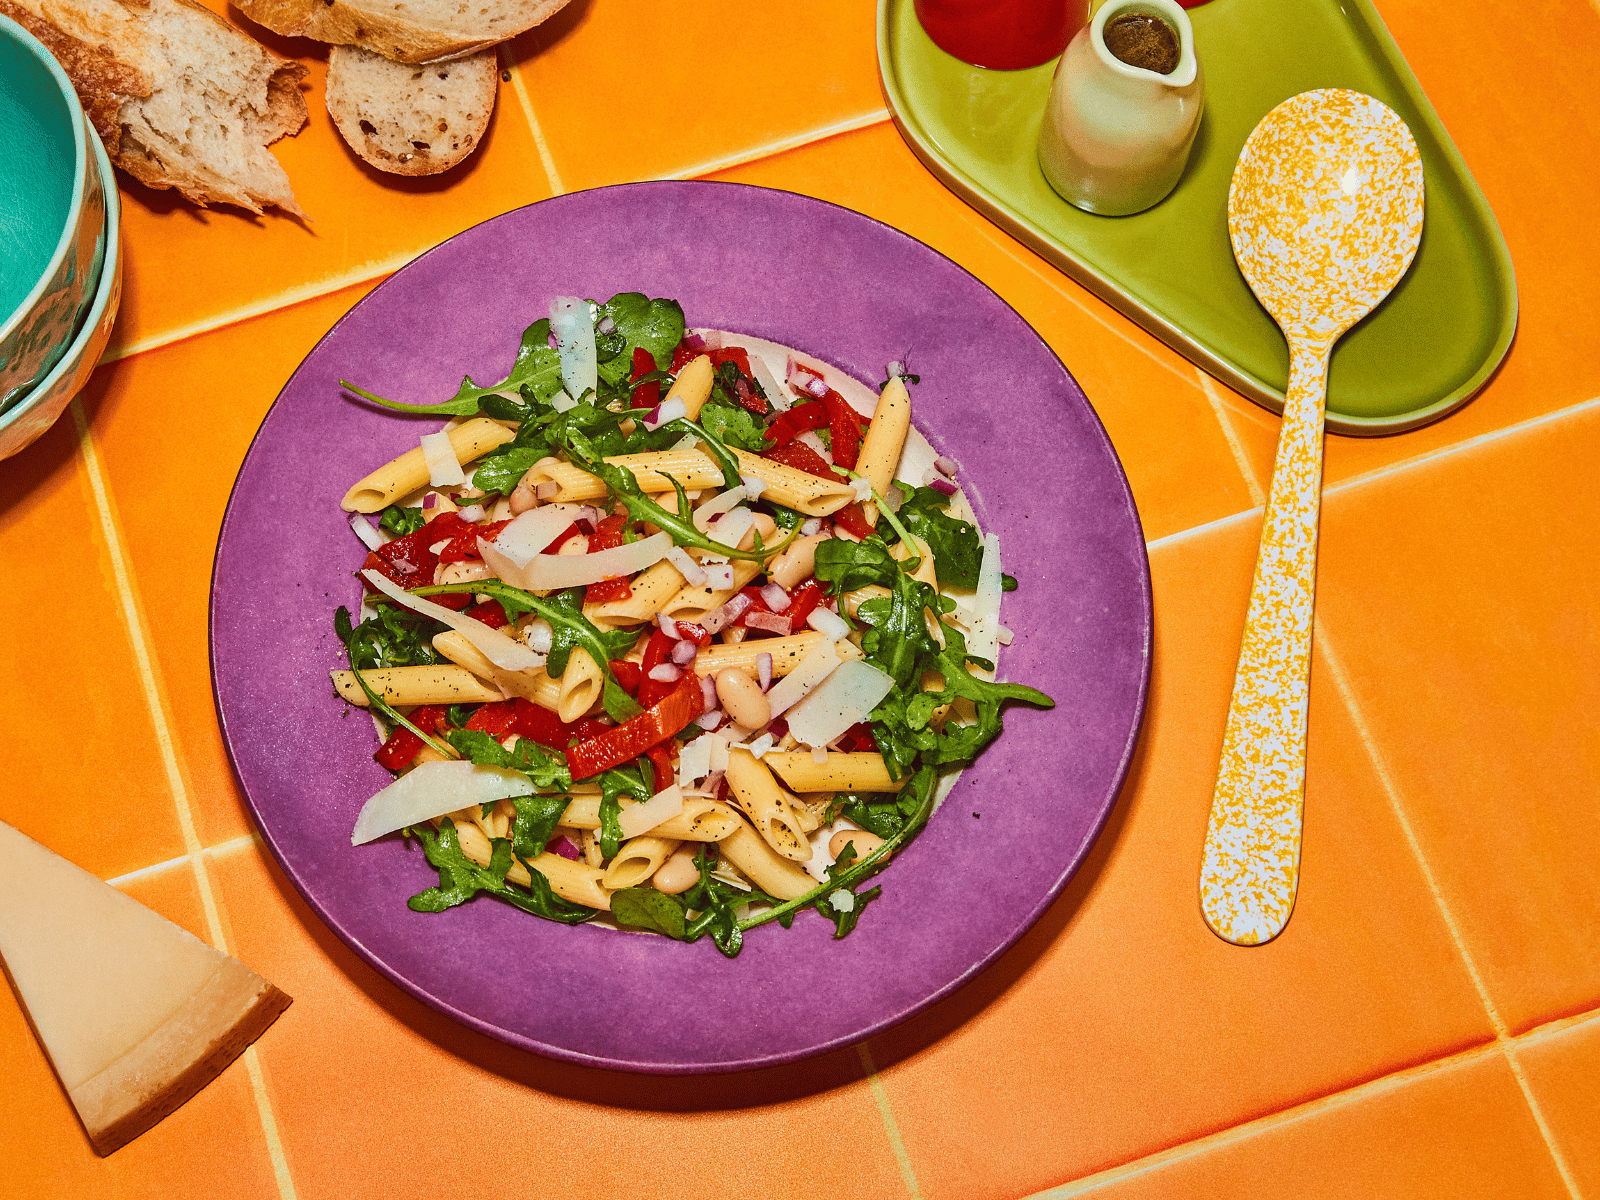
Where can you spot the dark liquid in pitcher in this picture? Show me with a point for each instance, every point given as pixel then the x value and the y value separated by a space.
pixel 1141 40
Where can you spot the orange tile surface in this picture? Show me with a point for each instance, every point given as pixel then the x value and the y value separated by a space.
pixel 1427 1024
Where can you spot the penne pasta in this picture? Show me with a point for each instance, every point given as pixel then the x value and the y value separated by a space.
pixel 702 819
pixel 693 385
pixel 860 772
pixel 696 603
pixel 786 653
pixel 654 470
pixel 885 441
pixel 534 684
pixel 637 860
pixel 470 440
pixel 768 870
pixel 434 684
pixel 571 881
pixel 809 494
pixel 769 808
pixel 580 685
pixel 650 589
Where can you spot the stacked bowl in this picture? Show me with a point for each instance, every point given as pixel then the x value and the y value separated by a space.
pixel 60 266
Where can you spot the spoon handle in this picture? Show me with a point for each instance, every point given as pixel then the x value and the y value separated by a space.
pixel 1252 852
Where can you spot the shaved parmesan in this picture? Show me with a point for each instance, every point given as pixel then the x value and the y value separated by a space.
pixel 430 791
pixel 693 573
pixel 504 652
pixel 828 623
pixel 694 759
pixel 574 329
pixel 553 572
pixel 819 661
pixel 761 745
pixel 362 528
pixel 716 506
pixel 444 468
pixel 642 818
pixel 846 697
pixel 535 529
pixel 985 639
pixel 862 487
pixel 732 527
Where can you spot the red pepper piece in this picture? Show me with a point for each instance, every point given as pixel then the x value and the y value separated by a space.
pixel 845 424
pixel 607 536
pixel 539 724
pixel 628 675
pixel 858 738
pixel 491 614
pixel 803 416
pixel 656 651
pixel 661 765
pixel 636 735
pixel 406 561
pixel 687 351
pixel 464 539
pixel 698 634
pixel 802 458
pixel 494 719
pixel 646 395
pixel 590 727
pixel 402 745
pixel 854 521
pixel 802 602
pixel 744 393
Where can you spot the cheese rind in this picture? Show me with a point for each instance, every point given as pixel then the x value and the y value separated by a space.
pixel 135 1014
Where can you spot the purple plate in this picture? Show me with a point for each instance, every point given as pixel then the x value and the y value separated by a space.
pixel 1041 473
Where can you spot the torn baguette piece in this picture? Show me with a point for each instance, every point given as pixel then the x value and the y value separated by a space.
pixel 411 119
pixel 180 97
pixel 408 31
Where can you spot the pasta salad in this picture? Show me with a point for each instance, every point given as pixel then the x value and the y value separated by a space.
pixel 679 630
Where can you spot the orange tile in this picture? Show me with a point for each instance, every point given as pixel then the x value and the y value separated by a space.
pixel 214 1144
pixel 187 265
pixel 503 1119
pixel 80 721
pixel 646 91
pixel 1461 594
pixel 1172 448
pixel 1458 1130
pixel 170 501
pixel 1562 1070
pixel 1120 1026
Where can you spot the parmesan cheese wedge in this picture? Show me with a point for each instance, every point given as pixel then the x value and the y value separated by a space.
pixel 135 1014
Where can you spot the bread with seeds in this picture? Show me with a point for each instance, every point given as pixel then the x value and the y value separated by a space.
pixel 408 31
pixel 411 119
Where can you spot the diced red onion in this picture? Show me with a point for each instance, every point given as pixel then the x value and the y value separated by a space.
pixel 472 514
pixel 775 597
pixel 370 537
pixel 741 385
pixel 429 500
pixel 694 342
pixel 943 486
pixel 816 386
pixel 693 573
pixel 605 325
pixel 668 626
pixel 667 410
pixel 708 693
pixel 764 670
pixel 947 466
pixel 683 652
pixel 547 489
pixel 713 782
pixel 718 618
pixel 666 673
pixel 810 526
pixel 771 622
pixel 709 721
pixel 896 369
pixel 563 846
pixel 712 339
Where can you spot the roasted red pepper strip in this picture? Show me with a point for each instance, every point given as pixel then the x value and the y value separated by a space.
pixel 853 521
pixel 661 764
pixel 539 724
pixel 464 539
pixel 656 651
pixel 845 424
pixel 402 745
pixel 494 719
pixel 858 739
pixel 627 674
pixel 491 614
pixel 607 536
pixel 636 735
pixel 790 425
pixel 802 602
pixel 647 395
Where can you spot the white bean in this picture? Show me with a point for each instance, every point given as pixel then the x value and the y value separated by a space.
pixel 462 572
pixel 798 562
pixel 742 698
pixel 678 873
pixel 864 842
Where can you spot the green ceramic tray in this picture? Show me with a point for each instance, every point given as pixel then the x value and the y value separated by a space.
pixel 1421 354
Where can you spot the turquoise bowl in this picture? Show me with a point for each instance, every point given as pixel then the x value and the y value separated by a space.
pixel 37 410
pixel 52 214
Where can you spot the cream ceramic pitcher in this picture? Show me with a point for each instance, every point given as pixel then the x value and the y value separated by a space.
pixel 1115 137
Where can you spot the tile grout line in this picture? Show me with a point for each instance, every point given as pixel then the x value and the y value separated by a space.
pixel 150 683
pixel 1383 1085
pixel 739 158
pixel 228 847
pixel 880 1097
pixel 546 159
pixel 1391 791
pixel 1230 433
pixel 279 300
pixel 269 1123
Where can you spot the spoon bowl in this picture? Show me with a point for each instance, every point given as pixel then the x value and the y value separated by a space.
pixel 1325 215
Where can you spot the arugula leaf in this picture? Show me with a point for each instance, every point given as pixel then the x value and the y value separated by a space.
pixel 619 781
pixel 536 820
pixel 401 521
pixel 957 549
pixel 846 566
pixel 646 908
pixel 656 325
pixel 537 369
pixel 395 637
pixel 543 434
pixel 351 639
pixel 460 879
pixel 547 768
pixel 733 425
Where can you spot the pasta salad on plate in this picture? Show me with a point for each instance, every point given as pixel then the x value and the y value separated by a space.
pixel 678 630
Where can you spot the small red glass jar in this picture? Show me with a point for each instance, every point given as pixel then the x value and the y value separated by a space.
pixel 1006 35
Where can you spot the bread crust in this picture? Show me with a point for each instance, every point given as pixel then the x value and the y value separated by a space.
pixel 116 63
pixel 390 30
pixel 400 118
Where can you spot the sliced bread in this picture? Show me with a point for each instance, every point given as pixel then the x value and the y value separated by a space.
pixel 180 97
pixel 410 119
pixel 410 31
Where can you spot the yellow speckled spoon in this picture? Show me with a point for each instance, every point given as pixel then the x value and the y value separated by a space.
pixel 1325 212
